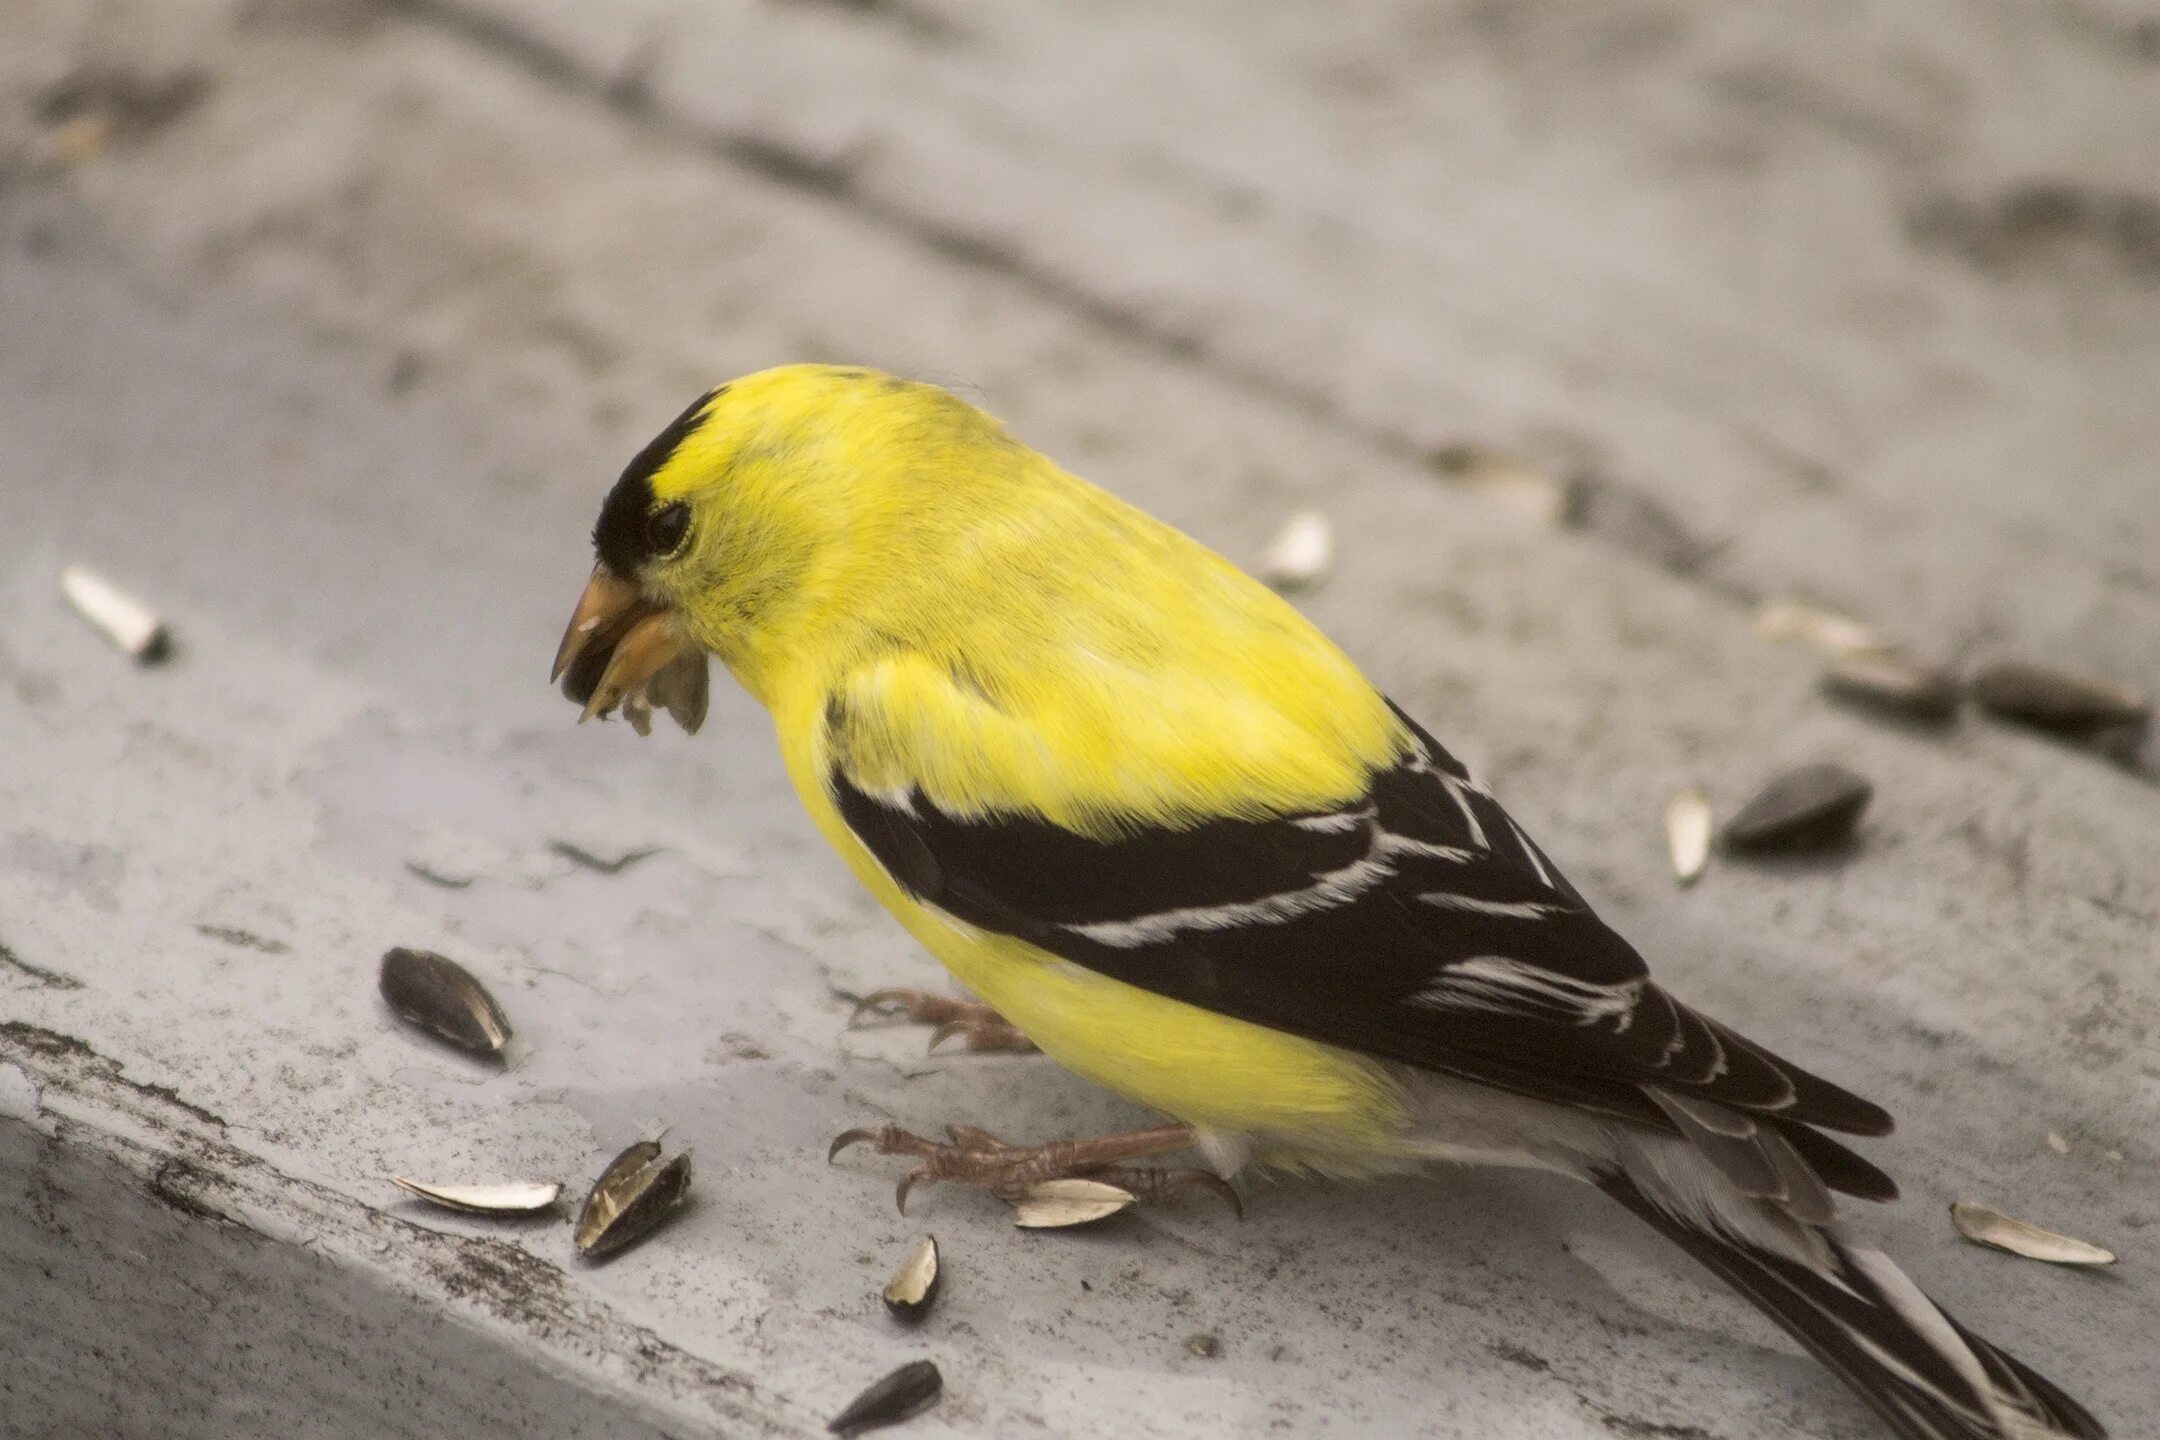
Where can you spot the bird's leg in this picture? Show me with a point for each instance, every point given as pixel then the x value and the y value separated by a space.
pixel 976 1157
pixel 985 1029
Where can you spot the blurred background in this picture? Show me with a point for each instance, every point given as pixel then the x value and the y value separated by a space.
pixel 1592 330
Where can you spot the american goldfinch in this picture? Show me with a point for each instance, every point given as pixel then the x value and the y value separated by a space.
pixel 1165 830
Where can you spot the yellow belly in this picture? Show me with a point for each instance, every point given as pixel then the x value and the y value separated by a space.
pixel 1296 1101
pixel 1288 1100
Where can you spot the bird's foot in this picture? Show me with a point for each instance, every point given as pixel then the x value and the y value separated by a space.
pixel 985 1030
pixel 976 1157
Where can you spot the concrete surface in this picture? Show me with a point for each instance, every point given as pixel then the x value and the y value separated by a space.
pixel 334 365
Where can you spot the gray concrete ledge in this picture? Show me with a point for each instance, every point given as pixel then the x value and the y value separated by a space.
pixel 333 368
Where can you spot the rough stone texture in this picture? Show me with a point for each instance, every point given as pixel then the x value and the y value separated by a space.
pixel 334 365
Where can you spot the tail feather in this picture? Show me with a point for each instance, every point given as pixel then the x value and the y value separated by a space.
pixel 1856 1312
pixel 1839 1167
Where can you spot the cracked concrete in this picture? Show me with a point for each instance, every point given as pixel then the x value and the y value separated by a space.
pixel 332 368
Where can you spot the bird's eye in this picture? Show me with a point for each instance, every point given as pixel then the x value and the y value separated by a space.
pixel 665 529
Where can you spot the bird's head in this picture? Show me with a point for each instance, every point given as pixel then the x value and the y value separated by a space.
pixel 737 525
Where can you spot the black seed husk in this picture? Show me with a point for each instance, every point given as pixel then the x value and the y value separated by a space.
pixel 909 1293
pixel 907 1392
pixel 1812 808
pixel 633 1197
pixel 2061 701
pixel 1893 687
pixel 1633 521
pixel 441 997
pixel 2125 744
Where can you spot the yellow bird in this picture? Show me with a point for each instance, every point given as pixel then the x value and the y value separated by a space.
pixel 1166 830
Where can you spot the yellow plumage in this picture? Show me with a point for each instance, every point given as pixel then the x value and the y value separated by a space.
pixel 1010 638
pixel 1139 806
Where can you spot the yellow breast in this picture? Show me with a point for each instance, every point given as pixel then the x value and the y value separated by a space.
pixel 1296 1101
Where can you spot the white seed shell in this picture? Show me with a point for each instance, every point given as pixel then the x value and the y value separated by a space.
pixel 1992 1227
pixel 1507 480
pixel 909 1293
pixel 1824 631
pixel 126 621
pixel 1300 553
pixel 522 1197
pixel 1687 834
pixel 1054 1204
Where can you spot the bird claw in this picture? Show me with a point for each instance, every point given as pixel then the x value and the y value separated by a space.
pixel 874 1004
pixel 984 1028
pixel 852 1137
pixel 1163 1184
pixel 975 1156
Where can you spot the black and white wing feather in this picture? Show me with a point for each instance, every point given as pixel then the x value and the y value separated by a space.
pixel 1430 928
pixel 1420 925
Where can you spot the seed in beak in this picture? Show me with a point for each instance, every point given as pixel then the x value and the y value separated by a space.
pixel 650 647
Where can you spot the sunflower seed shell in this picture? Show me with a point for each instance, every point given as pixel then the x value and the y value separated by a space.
pixel 441 997
pixel 1825 632
pixel 120 617
pixel 1812 808
pixel 1993 1228
pixel 1301 552
pixel 1624 516
pixel 2059 700
pixel 515 1198
pixel 907 1392
pixel 1687 834
pixel 1890 686
pixel 1055 1204
pixel 909 1293
pixel 635 1195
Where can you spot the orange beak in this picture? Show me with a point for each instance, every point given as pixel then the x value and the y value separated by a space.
pixel 623 651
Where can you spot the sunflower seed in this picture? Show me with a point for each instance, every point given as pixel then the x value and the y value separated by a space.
pixel 1509 480
pixel 682 687
pixel 633 1196
pixel 516 1198
pixel 909 1293
pixel 440 997
pixel 1687 834
pixel 2061 701
pixel 907 1392
pixel 1885 683
pixel 1300 553
pixel 1054 1204
pixel 1812 808
pixel 1634 521
pixel 2125 744
pixel 1992 1227
pixel 1824 631
pixel 124 620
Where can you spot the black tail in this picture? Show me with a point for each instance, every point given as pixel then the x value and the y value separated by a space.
pixel 1929 1376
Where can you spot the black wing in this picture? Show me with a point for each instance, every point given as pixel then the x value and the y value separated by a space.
pixel 1418 925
